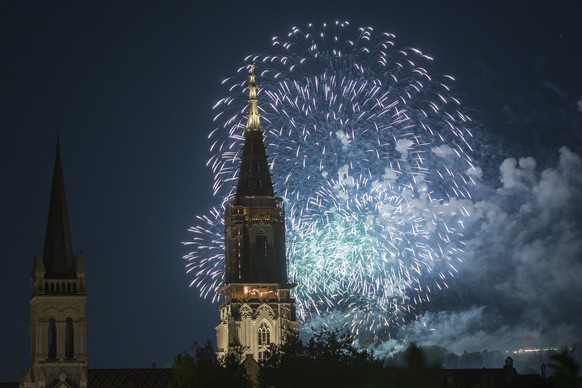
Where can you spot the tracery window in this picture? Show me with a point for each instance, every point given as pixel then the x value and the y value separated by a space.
pixel 69 340
pixel 52 339
pixel 264 334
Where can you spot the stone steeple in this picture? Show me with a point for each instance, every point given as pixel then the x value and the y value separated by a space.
pixel 58 329
pixel 59 262
pixel 258 309
pixel 254 218
pixel 254 176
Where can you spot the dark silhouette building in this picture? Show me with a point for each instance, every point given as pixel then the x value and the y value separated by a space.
pixel 58 324
pixel 58 328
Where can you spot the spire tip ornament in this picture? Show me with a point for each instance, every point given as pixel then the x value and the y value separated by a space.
pixel 254 119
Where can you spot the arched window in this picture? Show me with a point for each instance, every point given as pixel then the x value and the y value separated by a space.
pixel 264 334
pixel 52 339
pixel 69 340
pixel 261 244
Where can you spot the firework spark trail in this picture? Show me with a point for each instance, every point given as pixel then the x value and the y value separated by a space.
pixel 372 155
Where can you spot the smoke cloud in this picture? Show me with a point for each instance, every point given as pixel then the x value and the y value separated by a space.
pixel 520 282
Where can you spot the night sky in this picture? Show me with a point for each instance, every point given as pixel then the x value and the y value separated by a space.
pixel 129 87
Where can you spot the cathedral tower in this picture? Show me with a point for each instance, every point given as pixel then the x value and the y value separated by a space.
pixel 257 309
pixel 57 306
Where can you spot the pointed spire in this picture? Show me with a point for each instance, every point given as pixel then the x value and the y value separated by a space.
pixel 254 119
pixel 59 262
pixel 254 176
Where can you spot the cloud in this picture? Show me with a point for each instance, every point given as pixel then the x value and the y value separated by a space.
pixel 474 171
pixel 443 151
pixel 526 249
pixel 579 103
pixel 517 174
pixel 520 283
pixel 403 145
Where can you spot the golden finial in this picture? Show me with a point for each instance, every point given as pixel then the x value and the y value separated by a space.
pixel 254 119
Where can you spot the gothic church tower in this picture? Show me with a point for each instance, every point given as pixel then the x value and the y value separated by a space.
pixel 57 306
pixel 258 309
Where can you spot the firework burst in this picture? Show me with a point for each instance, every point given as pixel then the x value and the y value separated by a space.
pixel 372 155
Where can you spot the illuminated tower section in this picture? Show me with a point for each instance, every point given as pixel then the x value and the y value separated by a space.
pixel 58 329
pixel 257 309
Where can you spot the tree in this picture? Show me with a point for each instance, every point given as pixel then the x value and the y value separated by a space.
pixel 328 359
pixel 203 369
pixel 415 371
pixel 565 370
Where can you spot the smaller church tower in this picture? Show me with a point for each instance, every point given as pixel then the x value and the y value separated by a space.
pixel 57 306
pixel 258 309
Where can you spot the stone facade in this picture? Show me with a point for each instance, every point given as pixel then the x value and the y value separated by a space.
pixel 253 317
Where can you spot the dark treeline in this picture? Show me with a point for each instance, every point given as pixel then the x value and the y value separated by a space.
pixel 330 359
